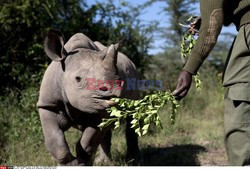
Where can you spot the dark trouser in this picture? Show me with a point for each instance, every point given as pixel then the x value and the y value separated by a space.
pixel 237 99
pixel 237 131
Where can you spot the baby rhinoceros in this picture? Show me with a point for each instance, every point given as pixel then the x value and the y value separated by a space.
pixel 68 99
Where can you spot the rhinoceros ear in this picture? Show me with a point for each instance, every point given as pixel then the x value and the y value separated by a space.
pixel 116 46
pixel 54 45
pixel 100 45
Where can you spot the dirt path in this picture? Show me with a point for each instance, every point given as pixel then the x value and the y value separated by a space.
pixel 213 157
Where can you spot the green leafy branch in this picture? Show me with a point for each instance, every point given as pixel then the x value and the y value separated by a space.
pixel 144 112
pixel 187 44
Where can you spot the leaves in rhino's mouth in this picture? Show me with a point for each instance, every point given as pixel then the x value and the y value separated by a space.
pixel 144 112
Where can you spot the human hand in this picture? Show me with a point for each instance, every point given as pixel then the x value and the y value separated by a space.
pixel 195 26
pixel 183 85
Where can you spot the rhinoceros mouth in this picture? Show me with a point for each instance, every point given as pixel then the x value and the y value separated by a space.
pixel 103 97
pixel 106 98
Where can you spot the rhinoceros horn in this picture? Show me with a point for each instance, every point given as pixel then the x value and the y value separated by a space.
pixel 110 59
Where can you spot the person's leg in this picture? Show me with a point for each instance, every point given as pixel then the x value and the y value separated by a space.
pixel 237 99
pixel 237 129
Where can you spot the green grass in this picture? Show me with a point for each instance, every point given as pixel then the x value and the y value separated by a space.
pixel 195 139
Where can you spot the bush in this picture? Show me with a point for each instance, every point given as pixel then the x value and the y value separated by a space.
pixel 20 123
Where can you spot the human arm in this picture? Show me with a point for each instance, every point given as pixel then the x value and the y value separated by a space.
pixel 212 21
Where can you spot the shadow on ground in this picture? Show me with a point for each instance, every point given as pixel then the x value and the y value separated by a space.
pixel 177 155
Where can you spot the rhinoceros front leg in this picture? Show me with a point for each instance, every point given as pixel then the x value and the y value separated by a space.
pixel 55 139
pixel 87 145
pixel 104 155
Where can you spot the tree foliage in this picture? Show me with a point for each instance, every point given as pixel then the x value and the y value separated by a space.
pixel 176 11
pixel 24 23
pixel 179 11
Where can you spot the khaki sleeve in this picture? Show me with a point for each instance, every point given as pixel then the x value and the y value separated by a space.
pixel 212 22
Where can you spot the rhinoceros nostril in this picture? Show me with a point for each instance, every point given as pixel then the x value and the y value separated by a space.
pixel 103 88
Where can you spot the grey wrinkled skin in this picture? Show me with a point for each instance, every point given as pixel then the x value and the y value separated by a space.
pixel 65 101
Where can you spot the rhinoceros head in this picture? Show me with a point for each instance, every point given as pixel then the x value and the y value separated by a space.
pixel 88 75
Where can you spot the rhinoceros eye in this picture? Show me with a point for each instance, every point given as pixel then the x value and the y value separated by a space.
pixel 78 79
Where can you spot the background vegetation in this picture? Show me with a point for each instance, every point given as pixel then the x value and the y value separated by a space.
pixel 195 139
